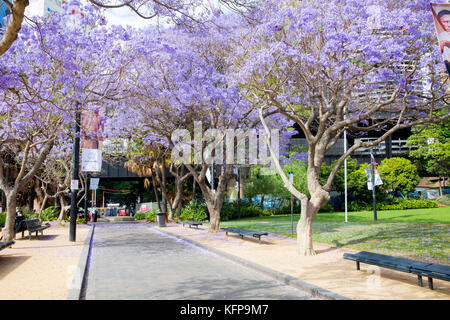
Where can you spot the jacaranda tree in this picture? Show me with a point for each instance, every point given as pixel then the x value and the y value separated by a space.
pixel 340 65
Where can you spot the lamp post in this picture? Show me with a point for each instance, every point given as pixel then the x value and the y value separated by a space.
pixel 291 180
pixel 238 177
pixel 76 162
pixel 373 185
pixel 86 197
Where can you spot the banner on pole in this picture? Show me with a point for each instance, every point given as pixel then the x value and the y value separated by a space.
pixel 378 180
pixel 91 142
pixel 441 18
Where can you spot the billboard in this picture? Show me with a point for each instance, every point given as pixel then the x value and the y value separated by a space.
pixel 53 6
pixel 91 141
pixel 441 18
pixel 4 16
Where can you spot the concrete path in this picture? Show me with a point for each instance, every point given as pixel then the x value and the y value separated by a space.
pixel 136 261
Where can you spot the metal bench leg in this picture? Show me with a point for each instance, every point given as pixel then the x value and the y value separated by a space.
pixel 430 283
pixel 419 280
pixel 357 265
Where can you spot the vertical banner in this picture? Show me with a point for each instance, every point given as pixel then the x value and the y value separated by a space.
pixel 441 18
pixel 91 142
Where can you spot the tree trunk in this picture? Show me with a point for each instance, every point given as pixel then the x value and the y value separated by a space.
pixel 10 215
pixel 440 187
pixel 309 210
pixel 62 213
pixel 155 190
pixel 261 204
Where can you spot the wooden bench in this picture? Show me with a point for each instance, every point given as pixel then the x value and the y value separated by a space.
pixel 33 225
pixel 6 244
pixel 192 223
pixel 242 232
pixel 419 268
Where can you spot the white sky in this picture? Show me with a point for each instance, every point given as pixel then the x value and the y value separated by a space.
pixel 121 16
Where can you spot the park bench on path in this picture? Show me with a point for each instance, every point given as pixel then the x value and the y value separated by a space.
pixel 242 232
pixel 21 227
pixel 6 244
pixel 419 268
pixel 33 225
pixel 192 223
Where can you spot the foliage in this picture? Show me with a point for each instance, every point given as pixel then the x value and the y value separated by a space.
pixel 50 213
pixel 355 176
pixel 430 148
pixel 398 174
pixel 403 204
pixel 261 181
pixel 2 219
pixel 147 215
pixel 327 208
pixel 230 211
pixel 194 210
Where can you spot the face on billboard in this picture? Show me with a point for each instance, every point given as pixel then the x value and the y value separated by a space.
pixel 445 20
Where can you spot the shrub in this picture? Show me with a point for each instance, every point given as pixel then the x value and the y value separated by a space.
pixel 403 204
pixel 327 208
pixel 50 213
pixel 194 210
pixel 150 216
pixel 2 219
pixel 230 211
pixel 355 206
pixel 139 216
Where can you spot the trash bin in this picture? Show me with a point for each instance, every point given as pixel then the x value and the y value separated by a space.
pixel 94 216
pixel 161 219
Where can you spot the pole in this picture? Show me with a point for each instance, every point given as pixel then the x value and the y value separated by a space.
pixel 291 180
pixel 239 193
pixel 345 177
pixel 345 174
pixel 372 159
pixel 76 163
pixel 86 199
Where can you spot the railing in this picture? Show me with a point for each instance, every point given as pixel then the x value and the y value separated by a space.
pixel 398 146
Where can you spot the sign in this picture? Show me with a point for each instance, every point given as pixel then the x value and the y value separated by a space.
pixel 74 185
pixel 122 212
pixel 94 183
pixel 291 177
pixel 441 18
pixel 91 160
pixel 144 207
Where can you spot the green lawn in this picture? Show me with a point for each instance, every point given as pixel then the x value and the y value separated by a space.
pixel 422 234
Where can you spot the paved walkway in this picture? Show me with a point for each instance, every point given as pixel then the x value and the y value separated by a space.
pixel 41 268
pixel 137 261
pixel 327 270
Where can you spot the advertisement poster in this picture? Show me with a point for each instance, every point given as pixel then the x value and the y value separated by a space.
pixel 441 18
pixel 91 142
pixel 4 16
